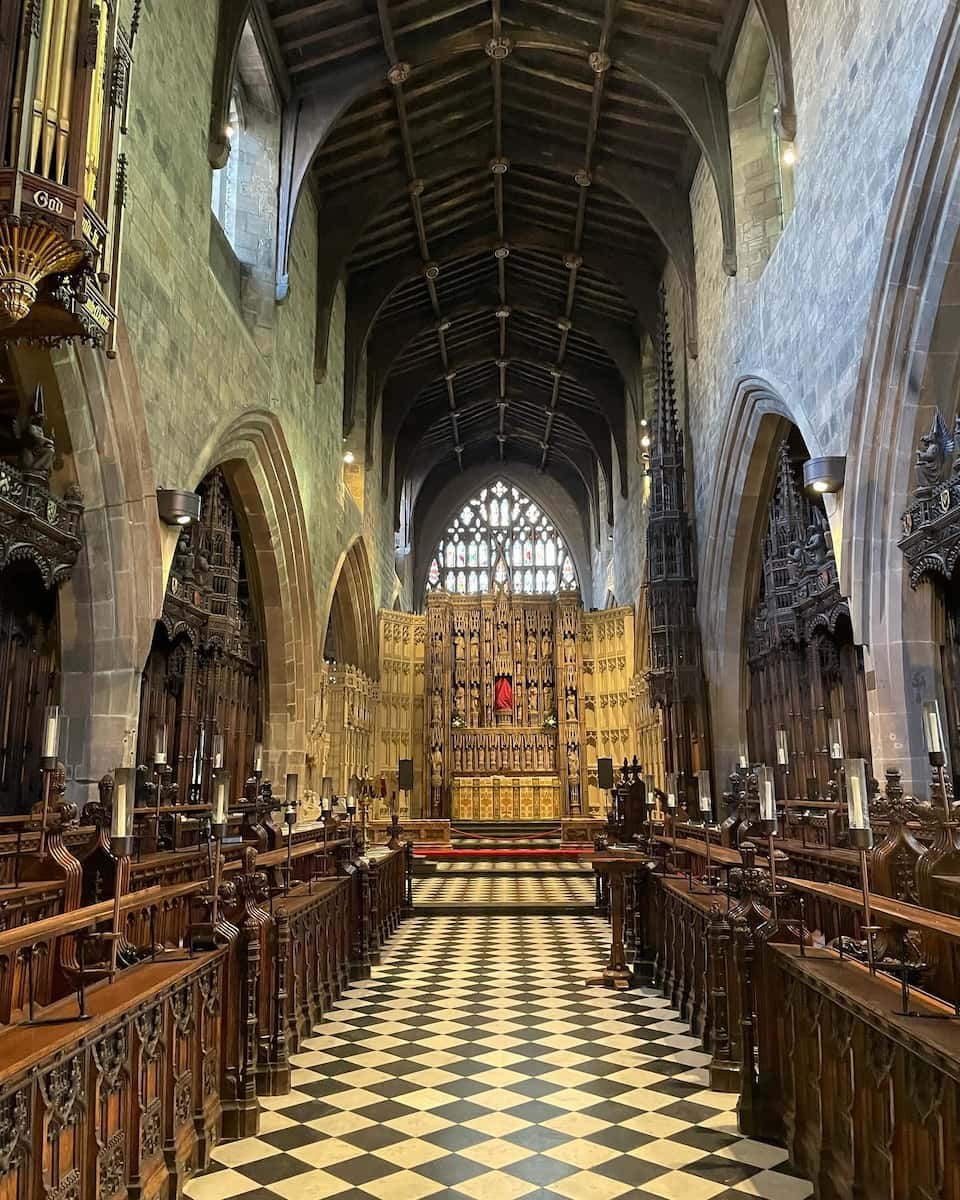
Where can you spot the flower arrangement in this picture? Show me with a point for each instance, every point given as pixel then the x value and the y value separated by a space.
pixel 550 720
pixel 457 721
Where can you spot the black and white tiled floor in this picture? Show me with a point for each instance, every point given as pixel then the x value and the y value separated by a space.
pixel 475 1064
pixel 540 889
pixel 511 867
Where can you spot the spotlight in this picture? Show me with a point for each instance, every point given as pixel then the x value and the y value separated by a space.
pixel 645 441
pixel 348 457
pixel 176 507
pixel 644 422
pixel 789 156
pixel 824 475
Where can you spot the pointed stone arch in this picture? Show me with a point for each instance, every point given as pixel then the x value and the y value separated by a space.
pixel 255 458
pixel 757 420
pixel 909 363
pixel 351 611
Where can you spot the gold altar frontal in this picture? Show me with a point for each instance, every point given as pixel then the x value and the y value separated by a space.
pixel 506 798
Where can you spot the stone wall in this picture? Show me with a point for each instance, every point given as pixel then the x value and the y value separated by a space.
pixel 213 379
pixel 198 363
pixel 859 66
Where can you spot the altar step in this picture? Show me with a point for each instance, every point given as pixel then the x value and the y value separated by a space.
pixel 505 834
pixel 497 868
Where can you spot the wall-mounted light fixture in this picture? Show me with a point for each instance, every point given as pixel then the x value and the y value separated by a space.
pixel 348 457
pixel 824 475
pixel 177 507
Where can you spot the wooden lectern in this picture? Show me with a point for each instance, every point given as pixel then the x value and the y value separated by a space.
pixel 614 866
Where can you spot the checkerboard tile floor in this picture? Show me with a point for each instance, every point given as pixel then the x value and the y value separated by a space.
pixel 475 1064
pixel 516 890
pixel 512 867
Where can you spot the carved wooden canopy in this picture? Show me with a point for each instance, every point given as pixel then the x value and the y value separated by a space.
pixel 501 183
pixel 799 588
pixel 931 524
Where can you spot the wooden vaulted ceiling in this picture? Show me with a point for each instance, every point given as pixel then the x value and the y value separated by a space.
pixel 500 270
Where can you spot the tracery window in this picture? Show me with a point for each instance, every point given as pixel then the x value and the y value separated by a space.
pixel 502 536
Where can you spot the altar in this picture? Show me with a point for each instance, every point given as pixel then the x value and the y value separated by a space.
pixel 506 798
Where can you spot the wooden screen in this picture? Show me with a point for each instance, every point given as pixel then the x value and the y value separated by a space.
pixel 949 595
pixel 203 675
pixel 804 668
pixel 29 677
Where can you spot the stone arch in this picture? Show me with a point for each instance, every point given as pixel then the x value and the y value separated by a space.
pixel 756 422
pixel 253 454
pixel 909 364
pixel 109 609
pixel 352 611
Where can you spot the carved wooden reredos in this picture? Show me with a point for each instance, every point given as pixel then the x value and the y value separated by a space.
pixel 505 692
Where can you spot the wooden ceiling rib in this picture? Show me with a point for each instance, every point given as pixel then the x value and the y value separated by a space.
pixel 526 265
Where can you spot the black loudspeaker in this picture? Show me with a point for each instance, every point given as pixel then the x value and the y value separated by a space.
pixel 605 773
pixel 405 774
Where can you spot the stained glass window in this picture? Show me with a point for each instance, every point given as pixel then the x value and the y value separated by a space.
pixel 502 528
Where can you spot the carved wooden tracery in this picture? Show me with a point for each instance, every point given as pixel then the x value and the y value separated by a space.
pixel 203 675
pixel 40 540
pixel 931 546
pixel 804 667
pixel 675 674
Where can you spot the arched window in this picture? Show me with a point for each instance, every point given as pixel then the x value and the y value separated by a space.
pixel 223 196
pixel 504 527
pixel 244 193
pixel 763 166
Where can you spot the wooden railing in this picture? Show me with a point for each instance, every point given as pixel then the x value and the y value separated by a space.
pixel 198 1019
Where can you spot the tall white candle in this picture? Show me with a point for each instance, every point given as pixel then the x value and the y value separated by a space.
pixel 51 731
pixel 217 751
pixel 783 755
pixel 160 746
pixel 836 741
pixel 120 805
pixel 856 804
pixel 767 796
pixel 933 728
pixel 220 799
pixel 258 758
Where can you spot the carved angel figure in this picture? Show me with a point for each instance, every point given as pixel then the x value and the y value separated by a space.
pixel 36 448
pixel 813 554
pixel 932 456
